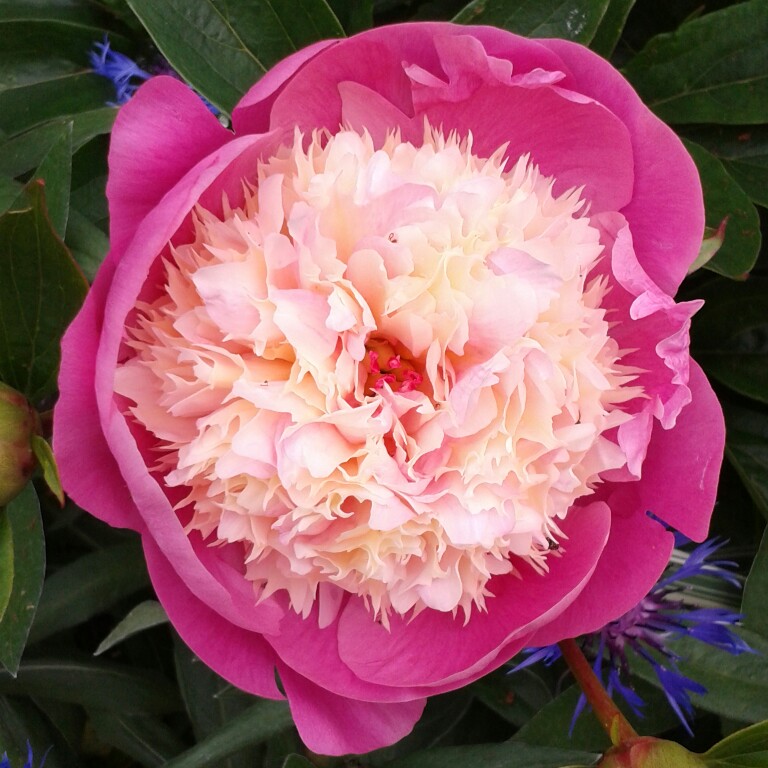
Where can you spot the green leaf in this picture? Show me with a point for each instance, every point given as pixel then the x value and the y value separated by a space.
pixel 743 151
pixel 257 724
pixel 576 20
pixel 440 716
pixel 20 70
pixel 725 200
pixel 55 170
pixel 746 447
pixel 88 586
pixel 26 151
pixel 22 569
pixel 354 15
pixel 23 107
pixel 94 684
pixel 711 70
pixel 22 721
pixel 729 336
pixel 509 755
pixel 66 11
pixel 146 739
pixel 297 761
pixel 66 720
pixel 226 47
pixel 94 122
pixel 6 562
pixel 516 698
pixel 611 27
pixel 9 191
pixel 551 724
pixel 44 455
pixel 41 289
pixel 88 243
pixel 211 702
pixel 755 591
pixel 747 747
pixel 54 30
pixel 144 616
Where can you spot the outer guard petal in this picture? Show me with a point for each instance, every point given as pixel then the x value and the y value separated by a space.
pixel 252 113
pixel 231 598
pixel 89 472
pixel 678 485
pixel 666 214
pixel 594 152
pixel 162 132
pixel 334 725
pixel 377 59
pixel 406 655
pixel 242 657
pixel 636 554
pixel 681 470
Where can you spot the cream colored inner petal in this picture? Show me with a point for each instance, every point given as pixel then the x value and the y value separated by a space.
pixel 388 373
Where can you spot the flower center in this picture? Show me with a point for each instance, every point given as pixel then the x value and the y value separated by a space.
pixel 386 367
pixel 387 374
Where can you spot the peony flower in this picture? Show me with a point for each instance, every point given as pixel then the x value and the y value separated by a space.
pixel 388 377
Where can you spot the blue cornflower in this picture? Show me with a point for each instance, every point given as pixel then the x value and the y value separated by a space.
pixel 4 763
pixel 648 626
pixel 126 75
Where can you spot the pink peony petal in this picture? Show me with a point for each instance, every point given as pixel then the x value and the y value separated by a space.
pixel 666 213
pixel 635 556
pixel 252 113
pixel 87 467
pixel 681 470
pixel 312 651
pixel 234 599
pixel 405 655
pixel 241 657
pixel 362 109
pixel 594 152
pixel 638 549
pixel 376 59
pixel 164 130
pixel 372 59
pixel 334 725
pixel 652 326
pixel 131 273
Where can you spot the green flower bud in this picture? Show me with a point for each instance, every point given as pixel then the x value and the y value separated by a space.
pixel 18 423
pixel 647 752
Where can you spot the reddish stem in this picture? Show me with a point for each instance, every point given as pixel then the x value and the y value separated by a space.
pixel 611 719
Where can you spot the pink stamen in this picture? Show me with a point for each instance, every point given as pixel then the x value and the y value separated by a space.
pixel 411 380
pixel 385 378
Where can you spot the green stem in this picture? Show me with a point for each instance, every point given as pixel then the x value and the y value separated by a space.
pixel 611 719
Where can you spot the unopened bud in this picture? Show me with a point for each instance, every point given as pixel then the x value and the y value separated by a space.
pixel 18 423
pixel 647 752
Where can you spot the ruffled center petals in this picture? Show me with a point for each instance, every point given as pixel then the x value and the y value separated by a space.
pixel 388 375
